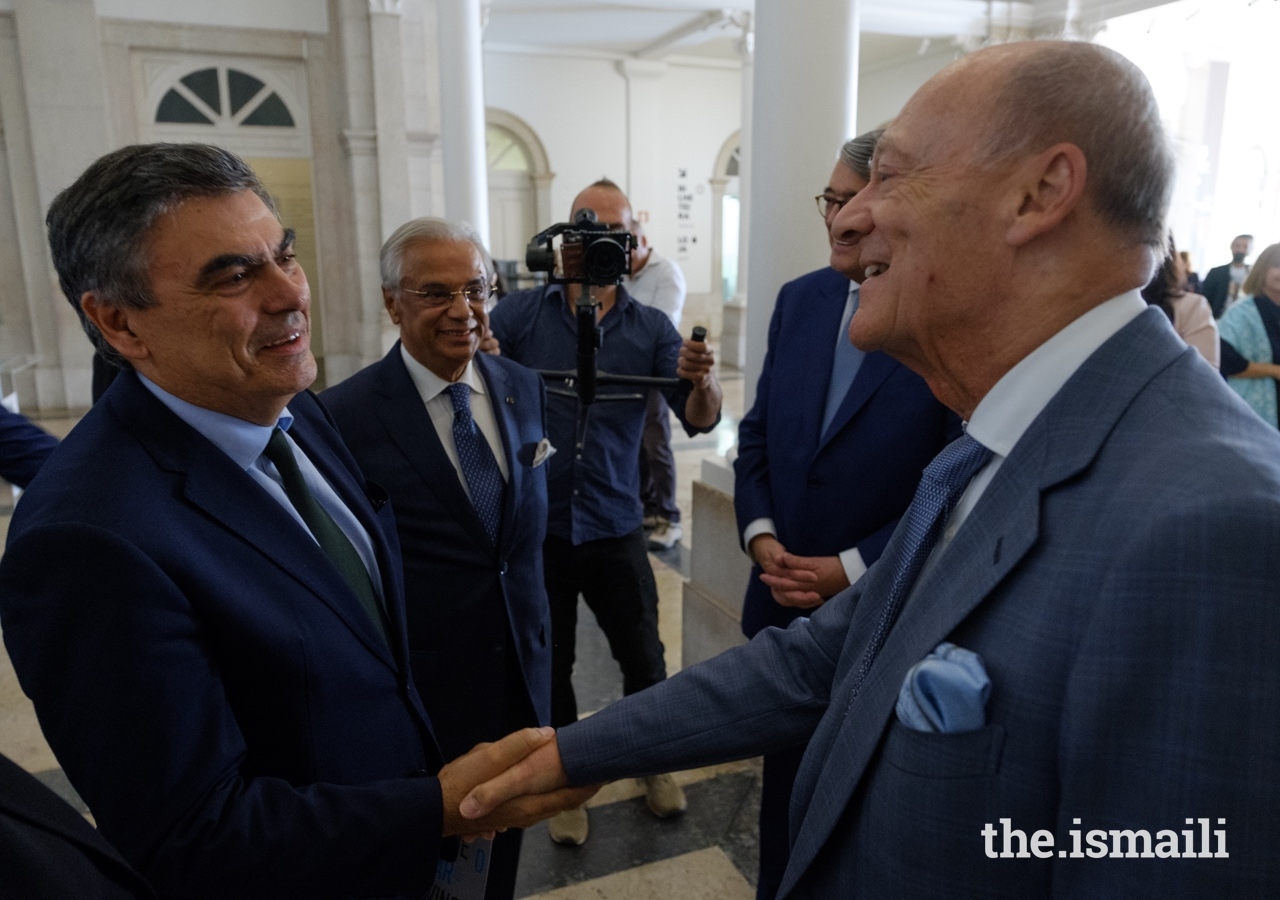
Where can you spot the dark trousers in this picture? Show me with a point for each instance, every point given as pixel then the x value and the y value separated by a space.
pixel 657 462
pixel 614 577
pixel 775 799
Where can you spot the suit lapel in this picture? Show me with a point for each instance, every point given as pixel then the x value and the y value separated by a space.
pixel 997 535
pixel 503 400
pixel 407 422
pixel 221 489
pixel 875 369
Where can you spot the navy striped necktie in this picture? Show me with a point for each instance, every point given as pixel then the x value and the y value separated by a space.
pixel 484 478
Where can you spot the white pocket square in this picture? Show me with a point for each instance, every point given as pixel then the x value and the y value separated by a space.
pixel 542 453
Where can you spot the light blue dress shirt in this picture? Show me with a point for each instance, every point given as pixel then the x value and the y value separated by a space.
pixel 245 442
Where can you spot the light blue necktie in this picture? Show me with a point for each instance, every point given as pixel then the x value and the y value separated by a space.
pixel 484 478
pixel 941 485
pixel 844 367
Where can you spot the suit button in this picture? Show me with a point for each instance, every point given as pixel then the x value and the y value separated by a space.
pixel 503 570
pixel 419 773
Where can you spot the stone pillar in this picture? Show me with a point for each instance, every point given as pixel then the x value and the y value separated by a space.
pixel 62 77
pixel 644 108
pixel 733 338
pixel 392 137
pixel 805 89
pixel 466 164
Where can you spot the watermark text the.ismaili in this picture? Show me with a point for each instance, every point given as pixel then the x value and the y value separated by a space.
pixel 1115 843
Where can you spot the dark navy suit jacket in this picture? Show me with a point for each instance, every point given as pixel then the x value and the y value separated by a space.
pixel 847 488
pixel 49 852
pixel 1128 622
pixel 211 685
pixel 469 603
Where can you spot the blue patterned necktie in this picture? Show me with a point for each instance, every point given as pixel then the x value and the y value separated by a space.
pixel 940 488
pixel 484 478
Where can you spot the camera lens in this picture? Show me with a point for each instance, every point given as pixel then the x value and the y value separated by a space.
pixel 606 261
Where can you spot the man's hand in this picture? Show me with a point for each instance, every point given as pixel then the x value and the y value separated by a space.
pixel 489 344
pixel 695 364
pixel 534 788
pixel 802 581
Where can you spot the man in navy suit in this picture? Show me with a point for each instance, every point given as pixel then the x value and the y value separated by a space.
pixel 200 593
pixel 479 624
pixel 828 458
pixel 1067 649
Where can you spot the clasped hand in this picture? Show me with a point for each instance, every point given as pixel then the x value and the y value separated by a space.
pixel 511 783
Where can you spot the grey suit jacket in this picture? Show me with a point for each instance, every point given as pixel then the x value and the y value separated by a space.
pixel 1119 578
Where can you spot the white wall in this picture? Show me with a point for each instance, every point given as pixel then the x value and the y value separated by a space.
pixel 885 89
pixel 577 106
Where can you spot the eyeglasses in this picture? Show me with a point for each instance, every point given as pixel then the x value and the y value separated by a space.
pixel 474 294
pixel 829 204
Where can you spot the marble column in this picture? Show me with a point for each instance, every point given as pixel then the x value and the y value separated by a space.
pixel 65 106
pixel 805 89
pixel 733 338
pixel 462 119
pixel 392 138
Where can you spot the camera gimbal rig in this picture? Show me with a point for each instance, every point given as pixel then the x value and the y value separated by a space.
pixel 591 255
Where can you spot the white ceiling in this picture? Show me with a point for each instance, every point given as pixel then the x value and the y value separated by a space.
pixel 711 28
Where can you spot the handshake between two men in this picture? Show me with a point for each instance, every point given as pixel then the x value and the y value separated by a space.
pixel 511 783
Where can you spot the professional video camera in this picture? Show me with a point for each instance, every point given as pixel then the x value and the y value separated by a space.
pixel 591 253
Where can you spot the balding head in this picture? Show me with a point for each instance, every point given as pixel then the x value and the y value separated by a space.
pixel 1018 188
pixel 1046 93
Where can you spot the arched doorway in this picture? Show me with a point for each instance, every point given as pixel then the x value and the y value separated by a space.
pixel 519 191
pixel 726 218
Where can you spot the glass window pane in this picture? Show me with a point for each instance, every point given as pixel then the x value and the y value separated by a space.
pixel 271 111
pixel 176 108
pixel 243 87
pixel 204 84
pixel 505 151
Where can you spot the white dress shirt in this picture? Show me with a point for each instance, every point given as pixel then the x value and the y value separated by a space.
pixel 434 393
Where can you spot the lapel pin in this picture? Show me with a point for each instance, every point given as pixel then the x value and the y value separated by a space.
pixel 511 400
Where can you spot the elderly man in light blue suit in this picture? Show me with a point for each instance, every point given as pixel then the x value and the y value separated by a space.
pixel 1099 554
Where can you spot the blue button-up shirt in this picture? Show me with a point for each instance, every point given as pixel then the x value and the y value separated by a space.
pixel 593 491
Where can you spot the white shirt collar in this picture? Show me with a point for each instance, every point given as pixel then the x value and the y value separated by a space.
pixel 1021 395
pixel 430 385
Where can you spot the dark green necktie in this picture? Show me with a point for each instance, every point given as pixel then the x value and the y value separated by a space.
pixel 326 531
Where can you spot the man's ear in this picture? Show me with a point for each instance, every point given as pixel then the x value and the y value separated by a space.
pixel 114 324
pixel 1052 185
pixel 389 301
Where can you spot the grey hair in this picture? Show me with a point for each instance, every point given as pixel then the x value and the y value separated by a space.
pixel 99 226
pixel 857 153
pixel 391 259
pixel 1090 96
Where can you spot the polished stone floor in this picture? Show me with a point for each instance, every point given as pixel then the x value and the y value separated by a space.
pixel 710 853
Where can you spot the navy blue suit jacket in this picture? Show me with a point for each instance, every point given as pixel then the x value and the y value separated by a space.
pixel 1118 577
pixel 49 852
pixel 23 448
pixel 847 488
pixel 209 682
pixel 466 599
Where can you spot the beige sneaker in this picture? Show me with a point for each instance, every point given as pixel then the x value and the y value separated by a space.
pixel 665 797
pixel 665 535
pixel 569 827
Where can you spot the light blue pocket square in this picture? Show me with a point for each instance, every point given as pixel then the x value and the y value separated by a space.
pixel 945 692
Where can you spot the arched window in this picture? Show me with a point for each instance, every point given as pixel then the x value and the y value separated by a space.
pixel 221 95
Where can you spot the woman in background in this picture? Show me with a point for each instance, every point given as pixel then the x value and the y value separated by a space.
pixel 1251 336
pixel 1190 313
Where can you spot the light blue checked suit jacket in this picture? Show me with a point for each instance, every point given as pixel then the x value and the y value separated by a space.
pixel 1120 578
